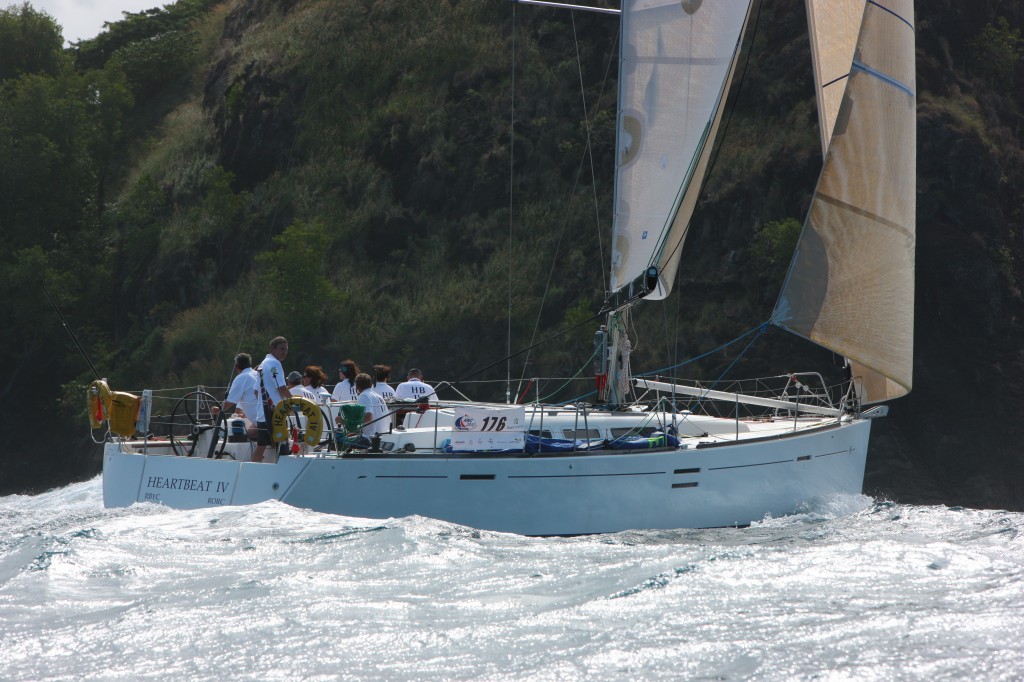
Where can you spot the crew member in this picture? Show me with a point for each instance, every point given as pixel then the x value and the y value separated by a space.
pixel 375 419
pixel 345 390
pixel 414 388
pixel 244 397
pixel 274 390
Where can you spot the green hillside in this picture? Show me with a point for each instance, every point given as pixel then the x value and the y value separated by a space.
pixel 202 177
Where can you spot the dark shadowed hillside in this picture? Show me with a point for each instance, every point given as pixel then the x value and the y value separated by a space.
pixel 205 176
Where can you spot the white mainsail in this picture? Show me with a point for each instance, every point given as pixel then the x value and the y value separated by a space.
pixel 677 61
pixel 850 287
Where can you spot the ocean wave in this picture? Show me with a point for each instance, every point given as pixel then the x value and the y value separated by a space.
pixel 849 587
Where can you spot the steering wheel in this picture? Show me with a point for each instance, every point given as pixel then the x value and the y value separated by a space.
pixel 194 414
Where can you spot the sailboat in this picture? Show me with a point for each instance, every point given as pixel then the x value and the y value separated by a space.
pixel 644 463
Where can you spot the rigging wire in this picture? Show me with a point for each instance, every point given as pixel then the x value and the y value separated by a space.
pixel 590 319
pixel 511 195
pixel 572 194
pixel 679 311
pixel 570 379
pixel 759 329
pixel 590 146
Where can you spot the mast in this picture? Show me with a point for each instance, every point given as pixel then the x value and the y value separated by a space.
pixel 619 376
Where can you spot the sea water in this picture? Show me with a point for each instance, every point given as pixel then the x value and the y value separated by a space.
pixel 850 589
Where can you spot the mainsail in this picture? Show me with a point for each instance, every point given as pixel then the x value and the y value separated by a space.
pixel 850 287
pixel 678 58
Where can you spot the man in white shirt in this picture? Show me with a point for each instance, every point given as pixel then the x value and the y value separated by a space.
pixel 244 397
pixel 274 386
pixel 244 394
pixel 382 373
pixel 375 419
pixel 295 387
pixel 414 388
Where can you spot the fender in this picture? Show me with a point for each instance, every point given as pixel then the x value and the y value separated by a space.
pixel 124 412
pixel 279 420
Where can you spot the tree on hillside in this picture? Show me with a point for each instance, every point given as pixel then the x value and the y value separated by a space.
pixel 995 53
pixel 30 43
pixel 152 46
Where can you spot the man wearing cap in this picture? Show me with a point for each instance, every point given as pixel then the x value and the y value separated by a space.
pixel 294 381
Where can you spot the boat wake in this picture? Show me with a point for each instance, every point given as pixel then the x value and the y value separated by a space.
pixel 850 586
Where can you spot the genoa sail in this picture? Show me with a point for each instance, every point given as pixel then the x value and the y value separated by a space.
pixel 677 62
pixel 850 287
pixel 833 27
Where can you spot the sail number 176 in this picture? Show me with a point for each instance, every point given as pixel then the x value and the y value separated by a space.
pixel 493 424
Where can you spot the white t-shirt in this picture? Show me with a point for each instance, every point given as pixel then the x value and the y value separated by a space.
pixel 303 392
pixel 323 396
pixel 376 408
pixel 273 377
pixel 384 391
pixel 245 393
pixel 344 391
pixel 414 389
pixel 388 393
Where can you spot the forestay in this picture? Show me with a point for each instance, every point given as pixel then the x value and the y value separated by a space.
pixel 850 287
pixel 677 62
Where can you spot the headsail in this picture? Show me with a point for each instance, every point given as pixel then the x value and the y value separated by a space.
pixel 833 26
pixel 678 57
pixel 850 287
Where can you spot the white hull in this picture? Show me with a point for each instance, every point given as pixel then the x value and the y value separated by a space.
pixel 702 484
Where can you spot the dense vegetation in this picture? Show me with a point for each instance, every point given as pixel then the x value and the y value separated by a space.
pixel 202 177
